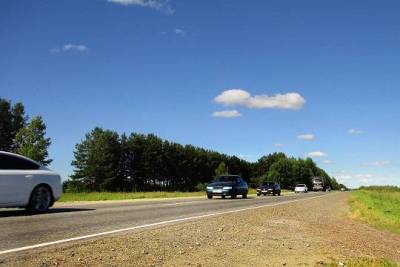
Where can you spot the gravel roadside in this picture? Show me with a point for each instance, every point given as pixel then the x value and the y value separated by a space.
pixel 308 233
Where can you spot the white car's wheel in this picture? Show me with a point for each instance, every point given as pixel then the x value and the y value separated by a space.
pixel 40 200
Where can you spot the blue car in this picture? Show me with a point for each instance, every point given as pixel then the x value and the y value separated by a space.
pixel 228 185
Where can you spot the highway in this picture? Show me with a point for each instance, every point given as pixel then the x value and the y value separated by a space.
pixel 76 221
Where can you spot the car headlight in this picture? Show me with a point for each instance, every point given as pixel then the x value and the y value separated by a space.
pixel 209 188
pixel 227 187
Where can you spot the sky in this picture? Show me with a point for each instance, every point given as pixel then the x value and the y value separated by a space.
pixel 246 78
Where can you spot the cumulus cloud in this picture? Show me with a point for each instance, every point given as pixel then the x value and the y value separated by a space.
pixel 379 163
pixel 70 48
pixel 154 4
pixel 178 31
pixel 227 114
pixel 307 137
pixel 239 97
pixel 354 131
pixel 317 154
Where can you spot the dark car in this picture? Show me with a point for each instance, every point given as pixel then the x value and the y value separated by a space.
pixel 228 185
pixel 269 188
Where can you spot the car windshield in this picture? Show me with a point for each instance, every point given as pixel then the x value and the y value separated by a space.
pixel 268 184
pixel 225 179
pixel 301 185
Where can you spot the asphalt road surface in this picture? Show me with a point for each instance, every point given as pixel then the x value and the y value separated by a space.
pixel 20 229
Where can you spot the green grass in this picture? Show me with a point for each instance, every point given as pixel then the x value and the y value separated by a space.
pixel 98 196
pixel 377 206
pixel 361 262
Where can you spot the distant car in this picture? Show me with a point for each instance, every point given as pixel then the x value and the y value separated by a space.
pixel 228 185
pixel 301 188
pixel 27 184
pixel 269 188
pixel 328 188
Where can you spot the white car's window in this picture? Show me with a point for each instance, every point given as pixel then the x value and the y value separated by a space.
pixel 8 162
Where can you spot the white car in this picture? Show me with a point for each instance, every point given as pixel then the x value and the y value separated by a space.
pixel 301 188
pixel 25 183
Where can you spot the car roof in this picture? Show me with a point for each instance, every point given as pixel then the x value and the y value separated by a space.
pixel 19 156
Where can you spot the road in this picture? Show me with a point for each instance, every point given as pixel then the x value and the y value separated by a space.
pixel 20 229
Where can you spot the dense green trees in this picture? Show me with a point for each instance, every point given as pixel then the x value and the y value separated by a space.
pixel 12 119
pixel 105 161
pixel 31 141
pixel 19 135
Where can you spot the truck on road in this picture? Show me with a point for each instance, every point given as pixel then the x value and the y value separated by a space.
pixel 318 184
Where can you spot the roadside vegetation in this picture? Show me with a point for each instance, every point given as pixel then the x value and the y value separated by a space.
pixel 378 206
pixel 100 196
pixel 367 262
pixel 107 161
pixel 21 135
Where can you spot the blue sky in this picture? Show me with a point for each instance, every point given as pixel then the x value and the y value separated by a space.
pixel 245 78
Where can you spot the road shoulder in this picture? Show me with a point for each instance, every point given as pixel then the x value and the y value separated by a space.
pixel 308 232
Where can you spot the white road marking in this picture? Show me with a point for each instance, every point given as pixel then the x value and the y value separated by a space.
pixel 41 245
pixel 182 203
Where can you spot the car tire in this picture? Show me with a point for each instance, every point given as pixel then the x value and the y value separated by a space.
pixel 233 196
pixel 244 196
pixel 279 193
pixel 265 195
pixel 209 196
pixel 223 197
pixel 40 200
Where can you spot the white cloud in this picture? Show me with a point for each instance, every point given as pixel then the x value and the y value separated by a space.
pixel 278 145
pixel 317 154
pixel 364 178
pixel 354 131
pixel 227 114
pixel 179 31
pixel 327 161
pixel 154 4
pixel 70 48
pixel 307 137
pixel 343 178
pixel 379 163
pixel 241 97
pixel 358 179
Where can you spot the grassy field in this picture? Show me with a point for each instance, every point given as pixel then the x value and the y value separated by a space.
pixel 99 196
pixel 377 206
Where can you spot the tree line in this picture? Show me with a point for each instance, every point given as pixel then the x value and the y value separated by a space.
pixel 107 161
pixel 21 135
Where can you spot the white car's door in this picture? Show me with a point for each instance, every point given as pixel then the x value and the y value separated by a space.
pixel 15 179
pixel 12 186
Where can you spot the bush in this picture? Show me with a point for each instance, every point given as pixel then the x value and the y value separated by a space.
pixel 201 187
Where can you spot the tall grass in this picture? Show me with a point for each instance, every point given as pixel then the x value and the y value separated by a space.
pixel 378 206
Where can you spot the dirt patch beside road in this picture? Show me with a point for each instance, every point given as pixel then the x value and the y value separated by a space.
pixel 309 232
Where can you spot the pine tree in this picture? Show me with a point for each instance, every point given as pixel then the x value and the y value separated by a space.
pixel 12 119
